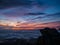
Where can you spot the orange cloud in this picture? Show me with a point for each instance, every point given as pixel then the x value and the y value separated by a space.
pixel 29 26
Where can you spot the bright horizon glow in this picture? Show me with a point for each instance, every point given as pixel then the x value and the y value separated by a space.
pixel 28 26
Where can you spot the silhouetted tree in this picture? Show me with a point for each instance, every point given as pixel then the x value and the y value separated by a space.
pixel 59 28
pixel 50 36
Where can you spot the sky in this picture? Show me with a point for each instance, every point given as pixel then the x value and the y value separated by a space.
pixel 29 14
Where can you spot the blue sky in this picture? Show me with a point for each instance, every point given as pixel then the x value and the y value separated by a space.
pixel 29 11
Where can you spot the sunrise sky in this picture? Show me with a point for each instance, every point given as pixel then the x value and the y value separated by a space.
pixel 29 14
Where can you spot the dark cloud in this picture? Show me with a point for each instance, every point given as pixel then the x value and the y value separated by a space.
pixel 57 13
pixel 14 2
pixel 52 16
pixel 35 14
pixel 7 3
pixel 38 18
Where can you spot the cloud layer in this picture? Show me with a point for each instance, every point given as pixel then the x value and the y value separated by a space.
pixel 27 12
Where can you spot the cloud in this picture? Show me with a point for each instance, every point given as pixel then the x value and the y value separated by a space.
pixel 54 16
pixel 44 18
pixel 11 3
pixel 55 24
pixel 35 13
pixel 22 11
